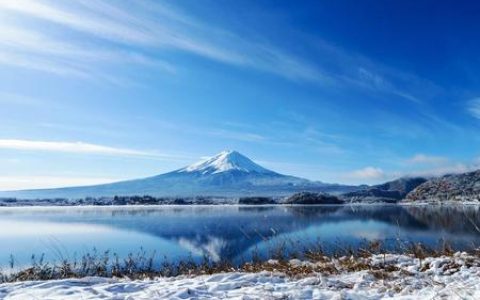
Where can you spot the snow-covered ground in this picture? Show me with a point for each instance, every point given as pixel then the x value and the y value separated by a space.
pixel 456 277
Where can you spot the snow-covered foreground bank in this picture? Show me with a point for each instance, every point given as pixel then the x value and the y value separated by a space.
pixel 456 277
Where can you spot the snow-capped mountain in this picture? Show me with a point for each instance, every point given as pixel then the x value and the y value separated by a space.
pixel 225 161
pixel 228 173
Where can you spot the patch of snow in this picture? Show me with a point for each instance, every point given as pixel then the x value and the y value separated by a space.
pixel 433 278
pixel 225 161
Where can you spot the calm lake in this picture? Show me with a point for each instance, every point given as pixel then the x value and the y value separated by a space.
pixel 232 232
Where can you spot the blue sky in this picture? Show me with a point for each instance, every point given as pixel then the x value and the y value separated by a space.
pixel 339 91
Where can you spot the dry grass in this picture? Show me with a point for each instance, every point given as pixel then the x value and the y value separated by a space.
pixel 141 265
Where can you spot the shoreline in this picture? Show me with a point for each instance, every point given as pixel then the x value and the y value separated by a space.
pixel 138 206
pixel 379 276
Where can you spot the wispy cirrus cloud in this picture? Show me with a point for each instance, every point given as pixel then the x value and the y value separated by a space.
pixel 427 159
pixel 37 43
pixel 40 64
pixel 473 107
pixel 79 148
pixel 353 69
pixel 158 27
pixel 37 51
pixel 142 25
pixel 9 183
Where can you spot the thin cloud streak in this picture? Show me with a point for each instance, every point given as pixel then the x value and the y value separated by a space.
pixel 474 107
pixel 104 28
pixel 173 29
pixel 78 148
pixel 158 26
pixel 38 64
pixel 352 69
pixel 10 183
pixel 137 28
pixel 30 42
pixel 427 159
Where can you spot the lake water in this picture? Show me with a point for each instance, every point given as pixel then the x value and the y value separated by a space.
pixel 231 232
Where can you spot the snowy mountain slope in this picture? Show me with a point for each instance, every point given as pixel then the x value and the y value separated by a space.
pixel 391 191
pixel 228 173
pixel 226 161
pixel 462 187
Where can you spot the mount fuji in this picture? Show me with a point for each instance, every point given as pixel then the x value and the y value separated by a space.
pixel 227 174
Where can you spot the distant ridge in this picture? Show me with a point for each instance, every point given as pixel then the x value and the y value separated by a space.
pixel 227 174
pixel 463 187
pixel 391 191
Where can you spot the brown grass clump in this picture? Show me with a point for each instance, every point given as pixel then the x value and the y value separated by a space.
pixel 313 260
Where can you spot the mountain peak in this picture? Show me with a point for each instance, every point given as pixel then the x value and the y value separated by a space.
pixel 227 160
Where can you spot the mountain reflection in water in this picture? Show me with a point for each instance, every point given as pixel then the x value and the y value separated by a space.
pixel 229 232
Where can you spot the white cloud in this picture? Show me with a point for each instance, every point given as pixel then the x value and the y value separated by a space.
pixel 151 25
pixel 27 42
pixel 40 64
pixel 376 175
pixel 96 25
pixel 147 26
pixel 474 107
pixel 9 183
pixel 76 147
pixel 448 169
pixel 427 159
pixel 367 173
pixel 54 51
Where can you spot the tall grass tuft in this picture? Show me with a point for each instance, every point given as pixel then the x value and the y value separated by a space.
pixel 144 265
